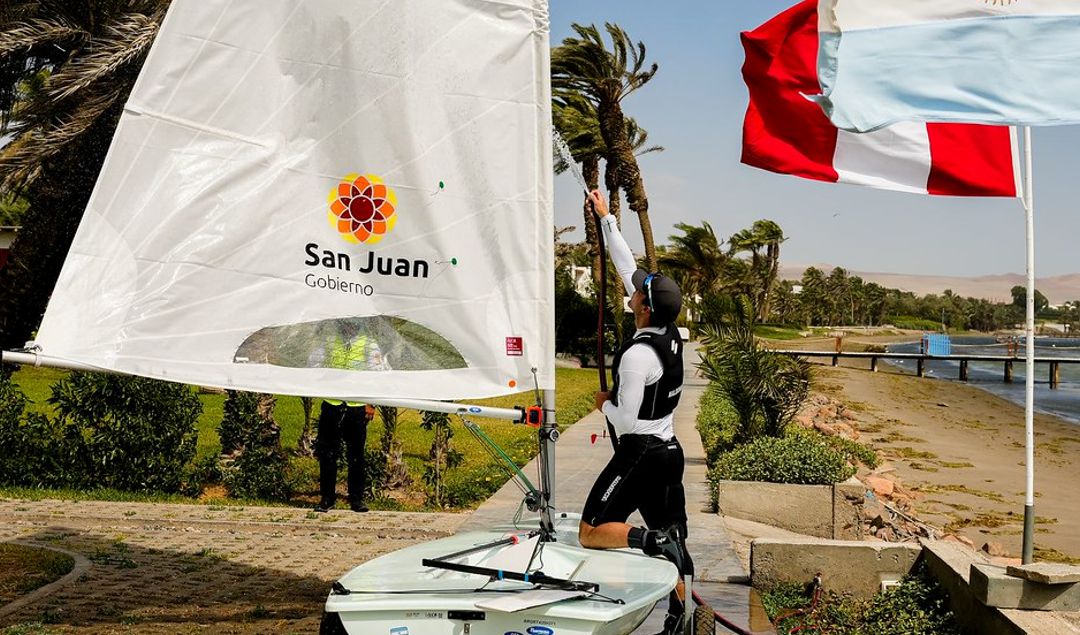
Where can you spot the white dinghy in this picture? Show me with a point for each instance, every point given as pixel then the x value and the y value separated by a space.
pixel 286 173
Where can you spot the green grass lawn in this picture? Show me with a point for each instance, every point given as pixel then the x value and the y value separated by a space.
pixel 776 332
pixel 476 478
pixel 24 569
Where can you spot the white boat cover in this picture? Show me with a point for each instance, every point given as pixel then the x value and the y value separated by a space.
pixel 338 198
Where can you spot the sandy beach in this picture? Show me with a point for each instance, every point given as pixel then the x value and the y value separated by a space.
pixel 960 451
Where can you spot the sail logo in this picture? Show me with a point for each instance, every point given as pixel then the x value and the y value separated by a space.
pixel 363 209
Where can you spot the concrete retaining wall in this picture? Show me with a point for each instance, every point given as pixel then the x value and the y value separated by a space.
pixel 951 565
pixel 855 567
pixel 825 511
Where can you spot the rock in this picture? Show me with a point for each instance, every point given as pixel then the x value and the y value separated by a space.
pixel 871 509
pixel 882 487
pixel 804 420
pixel 995 549
pixel 844 430
pixel 1006 562
pixel 962 540
pixel 827 412
pixel 824 428
pixel 886 534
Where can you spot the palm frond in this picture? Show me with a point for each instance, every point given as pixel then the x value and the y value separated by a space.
pixel 22 160
pixel 25 36
pixel 127 40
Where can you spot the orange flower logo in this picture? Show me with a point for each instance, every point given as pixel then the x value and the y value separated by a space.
pixel 362 208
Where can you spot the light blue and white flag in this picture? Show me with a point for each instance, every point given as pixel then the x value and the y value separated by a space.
pixel 976 61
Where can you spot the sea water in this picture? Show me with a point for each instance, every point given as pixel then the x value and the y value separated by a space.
pixel 1063 401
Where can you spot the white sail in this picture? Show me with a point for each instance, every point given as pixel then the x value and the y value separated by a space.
pixel 296 181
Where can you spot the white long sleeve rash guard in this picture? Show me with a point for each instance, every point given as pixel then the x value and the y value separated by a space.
pixel 640 366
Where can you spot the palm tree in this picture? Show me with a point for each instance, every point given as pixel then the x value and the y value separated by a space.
pixel 695 260
pixel 770 235
pixel 584 65
pixel 576 121
pixel 66 69
pixel 764 266
pixel 814 296
pixel 639 140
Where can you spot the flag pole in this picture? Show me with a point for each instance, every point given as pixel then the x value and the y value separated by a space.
pixel 1029 329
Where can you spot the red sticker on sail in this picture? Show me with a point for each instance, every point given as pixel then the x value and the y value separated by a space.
pixel 515 347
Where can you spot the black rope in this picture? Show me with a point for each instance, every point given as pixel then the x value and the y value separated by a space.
pixel 600 310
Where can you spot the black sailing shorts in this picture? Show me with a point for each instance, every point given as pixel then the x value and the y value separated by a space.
pixel 644 474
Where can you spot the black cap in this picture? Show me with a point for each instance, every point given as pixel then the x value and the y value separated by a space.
pixel 662 295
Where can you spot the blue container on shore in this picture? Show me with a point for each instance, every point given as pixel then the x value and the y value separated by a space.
pixel 936 344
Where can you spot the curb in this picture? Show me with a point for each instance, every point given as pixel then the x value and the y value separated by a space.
pixel 82 565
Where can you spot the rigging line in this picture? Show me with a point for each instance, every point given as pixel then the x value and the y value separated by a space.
pixel 300 90
pixel 518 514
pixel 501 458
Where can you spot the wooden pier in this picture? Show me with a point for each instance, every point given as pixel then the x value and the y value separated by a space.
pixel 1007 361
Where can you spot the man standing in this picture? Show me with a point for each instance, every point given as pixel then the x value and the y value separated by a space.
pixel 645 473
pixel 345 420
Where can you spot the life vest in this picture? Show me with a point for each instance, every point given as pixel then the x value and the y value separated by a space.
pixel 353 356
pixel 662 397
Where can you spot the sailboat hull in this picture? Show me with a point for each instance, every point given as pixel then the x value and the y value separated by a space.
pixel 396 595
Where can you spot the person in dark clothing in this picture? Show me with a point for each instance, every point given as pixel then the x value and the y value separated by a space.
pixel 349 349
pixel 645 474
pixel 342 422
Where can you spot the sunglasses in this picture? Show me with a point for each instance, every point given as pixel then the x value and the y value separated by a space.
pixel 647 287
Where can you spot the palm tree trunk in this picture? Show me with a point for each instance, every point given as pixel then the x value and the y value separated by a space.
pixel 621 161
pixel 639 204
pixel 611 182
pixel 590 170
pixel 305 445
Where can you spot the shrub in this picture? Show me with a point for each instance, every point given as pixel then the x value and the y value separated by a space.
pixel 36 450
pixel 130 433
pixel 718 424
pixel 254 465
pixel 912 323
pixel 852 451
pixel 442 457
pixel 764 389
pixel 798 459
pixel 260 472
pixel 917 606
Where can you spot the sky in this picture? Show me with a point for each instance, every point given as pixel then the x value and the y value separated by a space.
pixel 694 107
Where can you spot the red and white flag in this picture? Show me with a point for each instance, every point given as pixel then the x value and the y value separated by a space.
pixel 785 132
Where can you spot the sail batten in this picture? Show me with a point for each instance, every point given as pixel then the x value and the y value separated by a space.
pixel 330 198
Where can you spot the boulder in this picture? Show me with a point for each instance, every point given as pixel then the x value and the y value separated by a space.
pixel 882 487
pixel 995 549
pixel 824 428
pixel 960 540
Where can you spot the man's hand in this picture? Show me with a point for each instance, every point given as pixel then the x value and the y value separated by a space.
pixel 599 204
pixel 601 397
